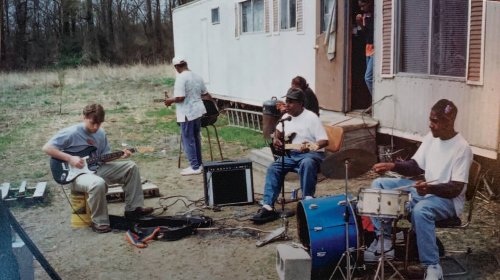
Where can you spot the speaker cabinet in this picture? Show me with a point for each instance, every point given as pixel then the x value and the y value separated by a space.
pixel 228 182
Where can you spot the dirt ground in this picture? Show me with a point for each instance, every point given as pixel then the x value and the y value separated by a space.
pixel 225 251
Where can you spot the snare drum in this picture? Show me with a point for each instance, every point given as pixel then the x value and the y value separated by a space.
pixel 382 203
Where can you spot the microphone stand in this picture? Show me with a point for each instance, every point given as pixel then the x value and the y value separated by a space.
pixel 282 232
pixel 284 214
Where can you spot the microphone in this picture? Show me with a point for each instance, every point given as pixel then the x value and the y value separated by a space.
pixel 289 118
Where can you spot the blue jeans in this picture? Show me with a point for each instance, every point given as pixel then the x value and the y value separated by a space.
pixel 369 73
pixel 191 140
pixel 305 164
pixel 424 212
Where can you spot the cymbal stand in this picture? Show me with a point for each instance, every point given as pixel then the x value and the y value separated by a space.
pixel 382 260
pixel 347 254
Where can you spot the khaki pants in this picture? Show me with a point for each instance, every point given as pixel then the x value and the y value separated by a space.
pixel 96 185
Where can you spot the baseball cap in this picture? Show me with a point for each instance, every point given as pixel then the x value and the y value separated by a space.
pixel 178 60
pixel 295 94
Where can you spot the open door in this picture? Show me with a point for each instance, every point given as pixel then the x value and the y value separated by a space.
pixel 340 58
pixel 331 57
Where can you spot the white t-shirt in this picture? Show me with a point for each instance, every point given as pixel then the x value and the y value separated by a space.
pixel 446 161
pixel 307 126
pixel 190 86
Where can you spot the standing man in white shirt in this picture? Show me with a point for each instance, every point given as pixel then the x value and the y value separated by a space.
pixel 188 89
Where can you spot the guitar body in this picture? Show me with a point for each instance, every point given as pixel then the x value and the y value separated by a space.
pixel 63 173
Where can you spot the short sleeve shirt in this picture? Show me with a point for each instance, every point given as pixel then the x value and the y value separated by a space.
pixel 190 86
pixel 76 138
pixel 445 161
pixel 307 128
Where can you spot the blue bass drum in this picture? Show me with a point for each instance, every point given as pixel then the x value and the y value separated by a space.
pixel 321 229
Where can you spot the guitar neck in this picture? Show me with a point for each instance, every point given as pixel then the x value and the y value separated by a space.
pixel 310 146
pixel 107 157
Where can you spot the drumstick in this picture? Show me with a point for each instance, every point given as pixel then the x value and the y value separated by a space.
pixel 412 185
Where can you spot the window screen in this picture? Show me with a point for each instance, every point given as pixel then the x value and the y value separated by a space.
pixel 433 37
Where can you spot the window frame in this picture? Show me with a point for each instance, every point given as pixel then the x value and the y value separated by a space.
pixel 287 15
pixel 398 48
pixel 212 15
pixel 252 16
pixel 324 22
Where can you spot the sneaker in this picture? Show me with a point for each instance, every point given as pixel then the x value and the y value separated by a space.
pixel 264 216
pixel 190 171
pixel 100 228
pixel 308 197
pixel 373 253
pixel 434 272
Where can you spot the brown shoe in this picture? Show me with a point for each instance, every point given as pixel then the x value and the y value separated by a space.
pixel 138 212
pixel 100 228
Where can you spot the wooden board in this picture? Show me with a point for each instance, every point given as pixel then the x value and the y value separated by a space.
pixel 115 193
pixel 24 193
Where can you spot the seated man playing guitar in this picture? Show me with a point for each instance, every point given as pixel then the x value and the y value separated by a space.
pixel 67 149
pixel 305 156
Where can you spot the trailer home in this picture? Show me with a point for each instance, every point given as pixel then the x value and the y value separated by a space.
pixel 249 50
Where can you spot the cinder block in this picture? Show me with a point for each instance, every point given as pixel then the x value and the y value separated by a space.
pixel 292 263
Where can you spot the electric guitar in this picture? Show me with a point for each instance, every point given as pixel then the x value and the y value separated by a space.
pixel 310 146
pixel 63 173
pixel 289 146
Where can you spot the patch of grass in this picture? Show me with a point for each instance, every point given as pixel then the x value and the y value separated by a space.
pixel 5 142
pixel 251 139
pixel 163 112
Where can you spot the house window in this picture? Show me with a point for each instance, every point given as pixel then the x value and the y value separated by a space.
pixel 252 16
pixel 326 10
pixel 433 37
pixel 215 15
pixel 288 14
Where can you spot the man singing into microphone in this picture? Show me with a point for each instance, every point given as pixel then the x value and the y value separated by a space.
pixel 310 139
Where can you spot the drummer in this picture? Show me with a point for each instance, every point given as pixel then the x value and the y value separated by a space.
pixel 445 158
pixel 306 160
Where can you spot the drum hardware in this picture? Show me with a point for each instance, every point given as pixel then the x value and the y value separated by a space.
pixel 348 250
pixel 360 161
pixel 342 164
pixel 382 260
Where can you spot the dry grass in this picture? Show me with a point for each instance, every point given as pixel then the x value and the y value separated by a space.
pixel 35 105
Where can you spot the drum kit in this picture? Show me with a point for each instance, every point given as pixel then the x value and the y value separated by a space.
pixel 329 226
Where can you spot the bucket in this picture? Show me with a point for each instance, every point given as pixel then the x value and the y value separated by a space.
pixel 270 117
pixel 80 211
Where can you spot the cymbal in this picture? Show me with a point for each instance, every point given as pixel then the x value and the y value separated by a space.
pixel 359 162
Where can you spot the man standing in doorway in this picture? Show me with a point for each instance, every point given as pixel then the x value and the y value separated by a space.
pixel 188 90
pixel 365 23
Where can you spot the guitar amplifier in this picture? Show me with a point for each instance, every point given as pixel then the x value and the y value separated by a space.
pixel 228 182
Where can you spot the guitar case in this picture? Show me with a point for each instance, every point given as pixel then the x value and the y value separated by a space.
pixel 171 227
